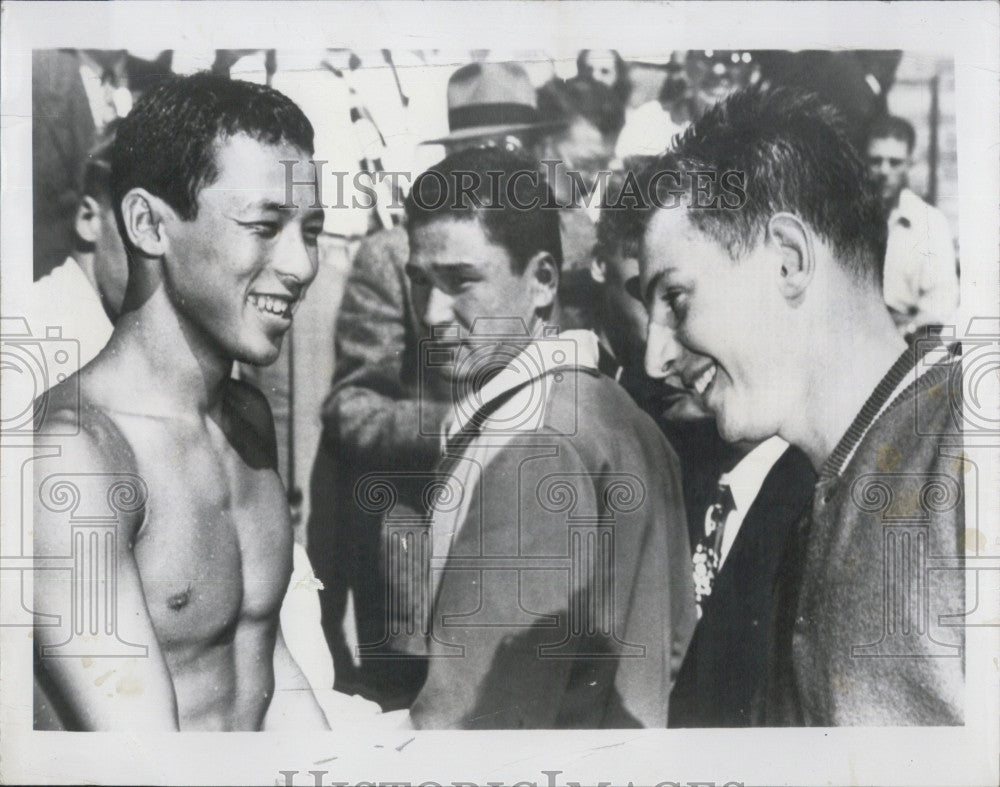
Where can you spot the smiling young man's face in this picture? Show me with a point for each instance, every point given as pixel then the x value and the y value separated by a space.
pixel 236 272
pixel 715 324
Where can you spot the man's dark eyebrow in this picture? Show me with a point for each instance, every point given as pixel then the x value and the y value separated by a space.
pixel 451 267
pixel 267 205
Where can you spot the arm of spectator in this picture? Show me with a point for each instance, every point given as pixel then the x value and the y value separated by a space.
pixel 373 414
pixel 107 693
pixel 939 285
pixel 293 704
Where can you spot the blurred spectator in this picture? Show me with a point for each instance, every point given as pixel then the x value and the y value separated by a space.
pixel 675 98
pixel 708 76
pixel 714 74
pixel 920 278
pixel 586 119
pixel 651 126
pixel 84 294
pixel 371 424
pixel 75 94
pixel 605 66
pixel 854 81
pixel 491 103
pixel 621 317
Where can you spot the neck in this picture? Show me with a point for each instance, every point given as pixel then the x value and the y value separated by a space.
pixel 893 203
pixel 553 318
pixel 734 453
pixel 180 371
pixel 848 365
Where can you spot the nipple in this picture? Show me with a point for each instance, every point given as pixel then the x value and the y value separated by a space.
pixel 179 600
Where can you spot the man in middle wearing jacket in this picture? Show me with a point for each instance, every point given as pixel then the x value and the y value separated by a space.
pixel 559 581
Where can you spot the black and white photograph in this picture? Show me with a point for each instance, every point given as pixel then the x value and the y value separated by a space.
pixel 500 393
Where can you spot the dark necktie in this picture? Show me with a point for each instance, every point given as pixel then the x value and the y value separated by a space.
pixel 708 550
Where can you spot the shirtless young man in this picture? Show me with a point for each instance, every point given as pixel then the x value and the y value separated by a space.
pixel 218 260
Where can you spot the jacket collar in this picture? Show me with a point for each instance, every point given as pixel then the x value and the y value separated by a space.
pixel 573 349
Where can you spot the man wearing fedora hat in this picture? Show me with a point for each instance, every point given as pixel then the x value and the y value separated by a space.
pixel 494 105
pixel 379 399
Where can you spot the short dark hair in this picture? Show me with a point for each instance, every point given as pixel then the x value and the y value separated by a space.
pixel 892 127
pixel 504 191
pixel 793 154
pixel 167 143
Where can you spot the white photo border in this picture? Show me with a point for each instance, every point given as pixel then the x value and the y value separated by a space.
pixel 965 31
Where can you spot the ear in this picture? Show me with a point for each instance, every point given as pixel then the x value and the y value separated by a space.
pixel 88 220
pixel 143 214
pixel 796 254
pixel 598 271
pixel 543 281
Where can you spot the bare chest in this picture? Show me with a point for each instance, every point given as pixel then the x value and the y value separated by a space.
pixel 214 550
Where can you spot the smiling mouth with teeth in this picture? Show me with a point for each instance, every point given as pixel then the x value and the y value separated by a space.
pixel 704 380
pixel 272 304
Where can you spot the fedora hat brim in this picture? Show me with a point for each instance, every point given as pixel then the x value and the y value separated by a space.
pixel 477 132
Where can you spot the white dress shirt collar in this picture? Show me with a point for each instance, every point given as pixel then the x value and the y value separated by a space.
pixel 745 481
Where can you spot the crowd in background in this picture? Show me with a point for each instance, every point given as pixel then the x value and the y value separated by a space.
pixel 364 321
pixel 373 110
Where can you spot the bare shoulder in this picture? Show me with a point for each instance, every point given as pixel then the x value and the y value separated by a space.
pixel 68 417
pixel 84 459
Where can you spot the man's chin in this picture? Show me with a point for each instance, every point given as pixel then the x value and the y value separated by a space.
pixel 261 356
pixel 733 431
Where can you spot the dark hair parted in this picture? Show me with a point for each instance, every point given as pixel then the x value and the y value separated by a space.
pixel 504 191
pixel 892 127
pixel 793 154
pixel 167 143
